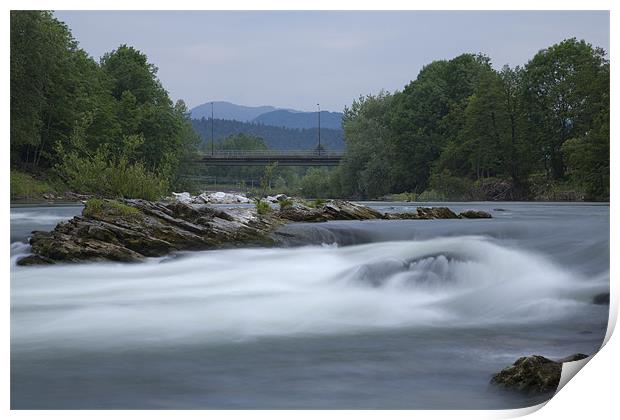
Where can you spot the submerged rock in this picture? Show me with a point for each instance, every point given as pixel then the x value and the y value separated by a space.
pixel 533 374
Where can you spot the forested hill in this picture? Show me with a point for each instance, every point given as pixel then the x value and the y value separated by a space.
pixel 229 111
pixel 279 138
pixel 292 119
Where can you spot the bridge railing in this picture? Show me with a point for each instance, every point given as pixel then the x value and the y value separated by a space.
pixel 273 153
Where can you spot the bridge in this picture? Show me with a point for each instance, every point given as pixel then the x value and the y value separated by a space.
pixel 265 157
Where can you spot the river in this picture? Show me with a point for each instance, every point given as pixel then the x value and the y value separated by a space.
pixel 403 314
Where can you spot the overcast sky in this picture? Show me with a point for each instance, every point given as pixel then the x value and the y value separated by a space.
pixel 299 59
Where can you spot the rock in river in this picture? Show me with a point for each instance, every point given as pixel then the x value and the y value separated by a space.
pixel 130 230
pixel 533 374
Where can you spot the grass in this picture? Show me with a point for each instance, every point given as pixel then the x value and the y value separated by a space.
pixel 262 207
pixel 404 196
pixel 316 203
pixel 25 187
pixel 98 207
pixel 284 204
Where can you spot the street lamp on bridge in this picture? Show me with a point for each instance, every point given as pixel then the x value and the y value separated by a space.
pixel 319 108
pixel 212 141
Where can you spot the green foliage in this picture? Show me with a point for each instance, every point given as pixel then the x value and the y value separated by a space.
pixel 404 196
pixel 280 138
pixel 462 130
pixel 55 87
pixel 265 181
pixel 263 207
pixel 24 186
pixel 97 207
pixel 319 182
pixel 284 204
pixel 431 195
pixel 565 86
pixel 451 187
pixel 105 173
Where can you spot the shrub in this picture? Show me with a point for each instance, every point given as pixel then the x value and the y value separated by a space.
pixel 431 195
pixel 316 203
pixel 285 203
pixel 98 207
pixel 262 207
pixel 404 196
pixel 106 174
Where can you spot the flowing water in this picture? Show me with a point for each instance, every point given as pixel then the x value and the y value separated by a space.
pixel 372 314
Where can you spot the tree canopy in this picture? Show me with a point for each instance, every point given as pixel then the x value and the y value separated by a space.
pixel 68 108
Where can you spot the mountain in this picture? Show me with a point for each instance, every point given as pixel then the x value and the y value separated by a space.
pixel 277 138
pixel 298 119
pixel 267 115
pixel 229 111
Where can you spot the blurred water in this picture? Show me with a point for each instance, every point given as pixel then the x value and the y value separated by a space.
pixel 409 314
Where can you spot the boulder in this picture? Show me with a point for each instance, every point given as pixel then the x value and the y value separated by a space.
pixel 475 214
pixel 346 210
pixel 183 197
pixel 601 299
pixel 533 374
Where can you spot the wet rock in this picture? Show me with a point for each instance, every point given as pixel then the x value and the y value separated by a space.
pixel 475 214
pixel 345 210
pixel 298 212
pixel 533 374
pixel 131 230
pixel 146 229
pixel 601 299
pixel 424 213
pixel 35 260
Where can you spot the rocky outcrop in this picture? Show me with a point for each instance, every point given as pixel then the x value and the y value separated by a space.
pixel 475 214
pixel 147 229
pixel 533 374
pixel 427 213
pixel 131 230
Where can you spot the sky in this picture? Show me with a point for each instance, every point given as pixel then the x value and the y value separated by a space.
pixel 298 59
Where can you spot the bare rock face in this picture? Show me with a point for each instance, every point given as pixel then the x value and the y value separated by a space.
pixel 533 374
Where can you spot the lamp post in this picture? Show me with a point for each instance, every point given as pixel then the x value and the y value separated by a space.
pixel 319 108
pixel 212 141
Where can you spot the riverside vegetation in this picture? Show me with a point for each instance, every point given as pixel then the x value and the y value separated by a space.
pixel 461 130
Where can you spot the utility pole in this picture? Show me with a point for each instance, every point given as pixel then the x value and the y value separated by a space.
pixel 212 122
pixel 319 108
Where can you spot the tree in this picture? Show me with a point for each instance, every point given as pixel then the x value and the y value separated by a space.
pixel 366 166
pixel 562 94
pixel 429 113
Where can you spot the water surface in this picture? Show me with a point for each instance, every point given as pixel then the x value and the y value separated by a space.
pixel 372 314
